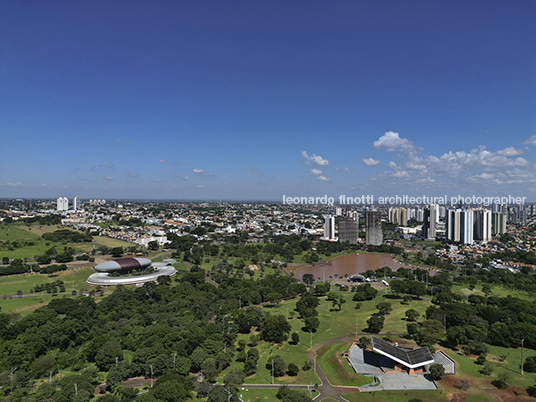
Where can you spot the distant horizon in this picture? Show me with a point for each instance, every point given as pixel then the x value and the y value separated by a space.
pixel 256 201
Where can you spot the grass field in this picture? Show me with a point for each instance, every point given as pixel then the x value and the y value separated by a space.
pixel 336 368
pixel 495 291
pixel 34 245
pixel 31 244
pixel 73 278
pixel 250 395
pixel 397 396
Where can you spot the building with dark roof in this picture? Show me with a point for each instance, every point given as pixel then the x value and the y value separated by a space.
pixel 410 358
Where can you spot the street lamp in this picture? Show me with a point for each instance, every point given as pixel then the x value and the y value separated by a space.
pixel 522 340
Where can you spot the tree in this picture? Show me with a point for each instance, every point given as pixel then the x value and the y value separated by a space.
pixel 116 252
pixel 241 345
pixel 275 329
pixel 530 364
pixel 364 292
pixel 210 369
pixel 430 332
pixel 412 314
pixel 487 369
pixel 295 338
pixel 364 341
pixel 285 394
pixel 234 378
pixel 279 366
pixel 293 370
pixel 250 367
pixel 501 381
pixel 532 391
pixel 307 303
pixel 308 279
pixel 153 245
pixel 107 355
pixel 384 308
pixel 311 323
pixel 437 371
pixel 481 359
pixel 339 301
pixel 375 323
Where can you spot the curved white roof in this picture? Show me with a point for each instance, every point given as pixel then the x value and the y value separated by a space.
pixel 103 279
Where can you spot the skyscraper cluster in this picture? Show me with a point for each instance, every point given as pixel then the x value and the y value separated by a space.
pixel 398 216
pixel 466 226
pixel 62 204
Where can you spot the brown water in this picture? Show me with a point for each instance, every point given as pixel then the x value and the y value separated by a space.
pixel 349 265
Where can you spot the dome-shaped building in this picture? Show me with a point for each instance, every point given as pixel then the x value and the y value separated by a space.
pixel 126 264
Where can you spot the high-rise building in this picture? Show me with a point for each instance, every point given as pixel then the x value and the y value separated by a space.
pixel 482 226
pixel 373 228
pixel 329 227
pixel 452 225
pixel 429 222
pixel 419 215
pixel 348 230
pixel 76 203
pixel 398 216
pixel 459 226
pixel 466 227
pixel 338 211
pixel 62 204
pixel 499 223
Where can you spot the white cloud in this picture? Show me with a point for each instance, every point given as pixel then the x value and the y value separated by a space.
pixel 199 186
pixel 510 151
pixel 403 174
pixel 11 184
pixel 531 140
pixel 198 171
pixel 316 171
pixel 314 159
pixel 133 175
pixel 323 178
pixel 392 164
pixel 370 162
pixel 391 141
pixel 109 178
pixel 162 160
pixel 186 178
pixel 110 166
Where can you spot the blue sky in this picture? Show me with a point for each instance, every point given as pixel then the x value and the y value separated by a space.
pixel 253 100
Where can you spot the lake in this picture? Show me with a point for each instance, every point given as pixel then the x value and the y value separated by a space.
pixel 349 265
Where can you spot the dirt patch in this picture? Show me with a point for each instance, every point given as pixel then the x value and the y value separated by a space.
pixel 509 395
pixel 456 397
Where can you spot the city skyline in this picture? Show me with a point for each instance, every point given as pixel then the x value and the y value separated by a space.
pixel 253 101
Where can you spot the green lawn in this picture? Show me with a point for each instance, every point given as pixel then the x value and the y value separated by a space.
pixel 337 368
pixel 31 244
pixel 495 291
pixel 511 365
pixel 34 244
pixel 250 395
pixel 73 278
pixel 24 305
pixel 397 396
pixel 179 266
